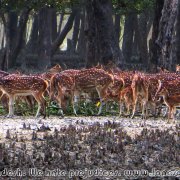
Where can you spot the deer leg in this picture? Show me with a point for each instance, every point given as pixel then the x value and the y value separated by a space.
pixel 120 109
pixel 170 113
pixel 59 99
pixel 101 106
pixel 1 96
pixel 134 108
pixel 11 106
pixel 101 92
pixel 173 114
pixel 151 105
pixel 128 109
pixel 144 110
pixel 154 110
pixel 41 103
pixel 120 105
pixel 107 106
pixel 74 99
pixel 166 114
pixel 73 103
pixel 29 101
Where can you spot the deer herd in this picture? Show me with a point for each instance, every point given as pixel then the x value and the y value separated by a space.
pixel 132 90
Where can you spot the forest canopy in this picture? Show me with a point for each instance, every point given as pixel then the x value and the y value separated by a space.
pixel 141 33
pixel 120 6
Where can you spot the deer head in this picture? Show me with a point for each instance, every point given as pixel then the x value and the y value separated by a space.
pixel 161 91
pixel 3 73
pixel 177 68
pixel 56 69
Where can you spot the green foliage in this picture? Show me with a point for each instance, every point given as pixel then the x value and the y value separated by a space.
pixel 120 6
pixel 84 108
pixel 22 109
pixel 125 6
pixel 17 5
pixel 87 109
pixel 2 111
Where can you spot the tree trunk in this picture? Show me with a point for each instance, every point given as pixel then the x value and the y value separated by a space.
pixel 128 36
pixel 61 35
pixel 45 38
pixel 15 36
pixel 81 48
pixel 60 22
pixel 135 56
pixel 117 27
pixel 12 26
pixel 178 36
pixel 154 48
pixel 166 34
pixel 32 45
pixel 143 32
pixel 90 36
pixel 101 42
pixel 53 21
pixel 76 31
pixel 109 48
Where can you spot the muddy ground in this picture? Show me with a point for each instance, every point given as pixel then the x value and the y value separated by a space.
pixel 24 126
pixel 89 143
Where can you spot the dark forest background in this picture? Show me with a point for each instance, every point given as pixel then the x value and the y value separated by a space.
pixel 133 34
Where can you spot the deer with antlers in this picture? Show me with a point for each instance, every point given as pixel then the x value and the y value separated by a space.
pixel 14 85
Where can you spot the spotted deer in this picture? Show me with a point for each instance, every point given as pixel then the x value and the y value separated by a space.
pixel 62 86
pixel 170 91
pixel 152 81
pixel 83 79
pixel 162 70
pixel 126 97
pixel 87 80
pixel 55 69
pixel 177 68
pixel 113 91
pixel 69 76
pixel 3 73
pixel 14 85
pixel 140 92
pixel 4 97
pixel 52 71
pixel 47 76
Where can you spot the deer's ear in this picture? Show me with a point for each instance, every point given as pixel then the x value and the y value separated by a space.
pixel 110 71
pixel 159 82
pixel 58 66
pixel 136 72
pixel 98 64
